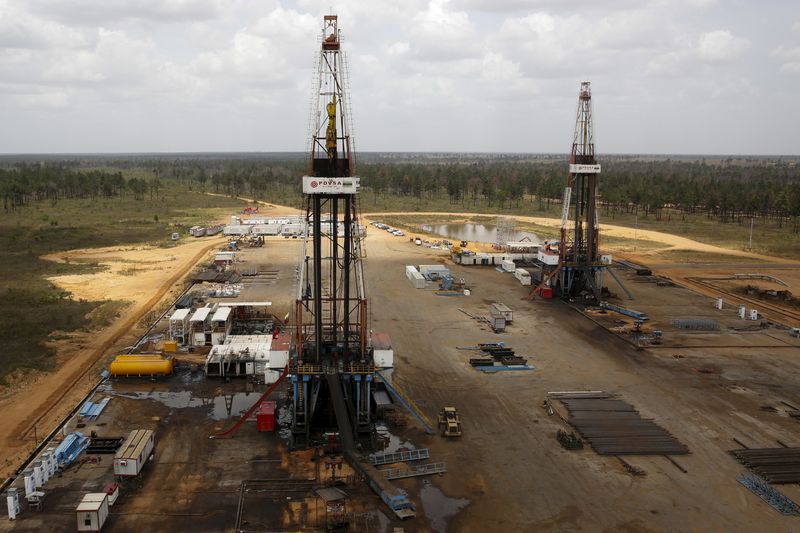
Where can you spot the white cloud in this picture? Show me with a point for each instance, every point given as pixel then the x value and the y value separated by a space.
pixel 721 46
pixel 426 74
pixel 92 12
pixel 398 48
pixel 789 56
pixel 441 34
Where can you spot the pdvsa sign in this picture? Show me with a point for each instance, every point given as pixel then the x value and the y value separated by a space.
pixel 584 169
pixel 314 185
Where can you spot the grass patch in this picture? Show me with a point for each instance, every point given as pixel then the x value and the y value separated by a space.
pixel 33 306
pixel 105 313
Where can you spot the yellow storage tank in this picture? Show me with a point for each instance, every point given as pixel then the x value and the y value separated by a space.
pixel 170 346
pixel 140 365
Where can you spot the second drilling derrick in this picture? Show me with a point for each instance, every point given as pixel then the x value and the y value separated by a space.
pixel 580 266
pixel 332 371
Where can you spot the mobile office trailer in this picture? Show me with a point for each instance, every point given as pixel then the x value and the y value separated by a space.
pixel 179 325
pixel 134 452
pixel 221 324
pixel 508 265
pixel 92 512
pixel 200 327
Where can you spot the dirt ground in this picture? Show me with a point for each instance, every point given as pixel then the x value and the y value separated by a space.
pixel 508 472
pixel 705 389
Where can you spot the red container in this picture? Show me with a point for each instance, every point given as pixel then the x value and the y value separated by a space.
pixel 546 292
pixel 266 416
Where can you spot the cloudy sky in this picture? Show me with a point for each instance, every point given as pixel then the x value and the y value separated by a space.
pixel 668 76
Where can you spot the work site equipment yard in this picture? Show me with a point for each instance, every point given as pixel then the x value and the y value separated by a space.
pixel 727 387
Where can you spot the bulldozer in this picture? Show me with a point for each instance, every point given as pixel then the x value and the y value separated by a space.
pixel 450 422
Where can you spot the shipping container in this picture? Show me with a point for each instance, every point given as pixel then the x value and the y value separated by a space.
pixel 508 265
pixel 416 279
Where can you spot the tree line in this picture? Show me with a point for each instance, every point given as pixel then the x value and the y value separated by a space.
pixel 726 189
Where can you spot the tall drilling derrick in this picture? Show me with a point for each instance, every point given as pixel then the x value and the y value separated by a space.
pixel 331 367
pixel 581 270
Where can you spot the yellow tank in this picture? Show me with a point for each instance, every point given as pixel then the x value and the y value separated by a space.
pixel 140 365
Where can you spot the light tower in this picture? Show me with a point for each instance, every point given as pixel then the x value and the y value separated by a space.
pixel 580 266
pixel 331 366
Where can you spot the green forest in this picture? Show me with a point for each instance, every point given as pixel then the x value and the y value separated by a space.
pixel 725 189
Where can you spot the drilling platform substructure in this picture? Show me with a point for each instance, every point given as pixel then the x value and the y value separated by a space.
pixel 331 365
pixel 581 269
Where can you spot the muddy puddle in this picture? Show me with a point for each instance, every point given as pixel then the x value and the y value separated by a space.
pixel 438 507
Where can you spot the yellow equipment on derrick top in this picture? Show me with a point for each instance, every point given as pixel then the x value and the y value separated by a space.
pixel 330 134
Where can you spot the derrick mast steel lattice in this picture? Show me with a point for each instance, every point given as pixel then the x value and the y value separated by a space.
pixel 580 265
pixel 330 359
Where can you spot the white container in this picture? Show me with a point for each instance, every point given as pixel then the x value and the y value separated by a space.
pixel 38 474
pixel 547 257
pixel 267 229
pixel 427 270
pixel 508 266
pixel 416 279
pixel 754 314
pixel 467 292
pixel 30 487
pixel 134 452
pixel 523 276
pixel 606 259
pixel 12 502
pixel 239 229
pixel 718 303
pixel 278 359
pixel 271 376
pixel 382 351
pixel 92 512
pixel 742 312
pixel 502 309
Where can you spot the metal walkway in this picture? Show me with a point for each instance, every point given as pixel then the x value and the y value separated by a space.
pixel 418 470
pixel 408 403
pixel 399 457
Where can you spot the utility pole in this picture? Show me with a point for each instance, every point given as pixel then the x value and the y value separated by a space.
pixel 750 247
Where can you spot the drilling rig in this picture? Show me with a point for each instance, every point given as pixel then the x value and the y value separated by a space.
pixel 580 270
pixel 331 365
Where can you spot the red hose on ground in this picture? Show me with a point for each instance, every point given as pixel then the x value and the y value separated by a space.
pixel 228 433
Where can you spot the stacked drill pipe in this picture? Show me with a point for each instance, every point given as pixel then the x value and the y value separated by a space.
pixel 614 427
pixel 495 353
pixel 776 465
